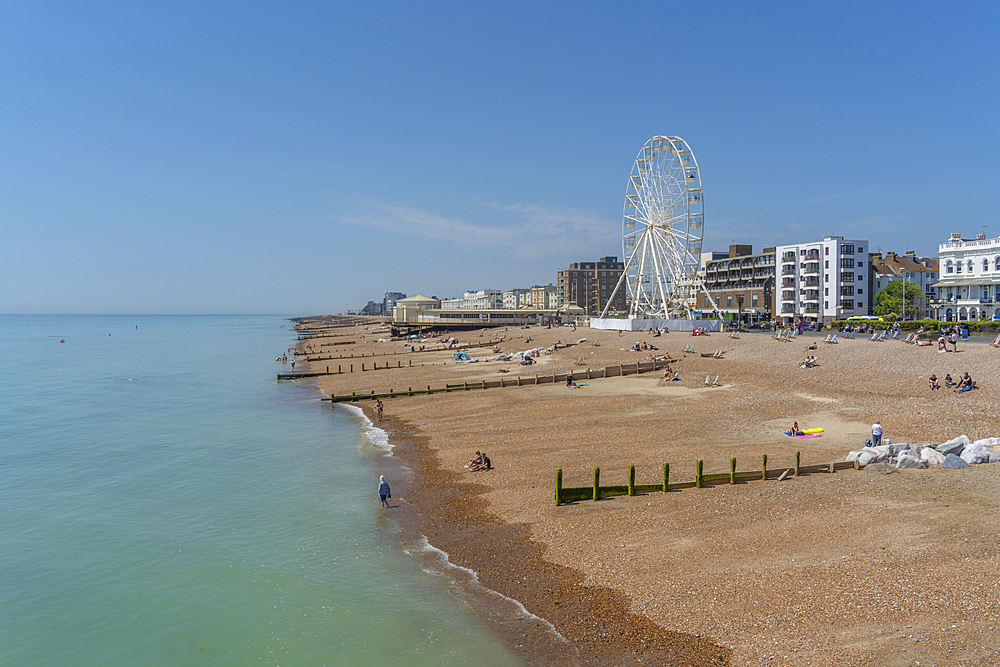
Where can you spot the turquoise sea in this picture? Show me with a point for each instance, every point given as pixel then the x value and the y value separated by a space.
pixel 163 500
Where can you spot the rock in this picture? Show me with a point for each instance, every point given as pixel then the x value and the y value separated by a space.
pixel 954 446
pixel 868 456
pixel 853 456
pixel 896 448
pixel 974 455
pixel 910 461
pixel 932 456
pixel 987 442
pixel 882 468
pixel 952 461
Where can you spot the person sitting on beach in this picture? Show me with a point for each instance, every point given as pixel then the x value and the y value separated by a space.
pixel 933 383
pixel 795 430
pixel 966 384
pixel 477 460
pixel 484 464
pixel 667 373
pixel 948 382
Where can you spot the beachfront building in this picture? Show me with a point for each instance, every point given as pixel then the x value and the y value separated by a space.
pixel 919 271
pixel 545 297
pixel 406 309
pixel 741 284
pixel 590 285
pixel 484 299
pixel 517 297
pixel 969 279
pixel 373 308
pixel 389 301
pixel 822 281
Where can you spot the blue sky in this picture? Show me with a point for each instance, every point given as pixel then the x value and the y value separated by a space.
pixel 306 157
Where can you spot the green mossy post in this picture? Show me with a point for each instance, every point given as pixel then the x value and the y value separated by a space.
pixel 428 389
pixel 631 480
pixel 666 477
pixel 373 394
pixel 466 386
pixel 353 397
pixel 597 482
pixel 558 487
pixel 391 392
pixel 732 470
pixel 798 456
pixel 411 391
pixel 698 481
pixel 763 467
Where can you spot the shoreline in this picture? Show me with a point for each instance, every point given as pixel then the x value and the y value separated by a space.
pixel 594 623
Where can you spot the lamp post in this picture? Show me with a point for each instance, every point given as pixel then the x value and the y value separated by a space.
pixel 739 304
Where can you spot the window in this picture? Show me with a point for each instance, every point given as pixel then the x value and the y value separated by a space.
pixel 996 263
pixel 950 268
pixel 847 277
pixel 847 290
pixel 958 267
pixel 826 291
pixel 802 253
pixel 827 278
pixel 847 249
pixel 826 304
pixel 861 277
pixel 861 264
pixel 848 304
pixel 847 263
pixel 827 264
pixel 860 291
pixel 753 300
pixel 986 265
pixel 729 301
pixel 827 251
pixel 970 266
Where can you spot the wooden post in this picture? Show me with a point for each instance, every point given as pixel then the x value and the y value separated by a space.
pixel 362 367
pixel 411 391
pixel 466 386
pixel 732 470
pixel 391 390
pixel 588 373
pixel 666 476
pixel 798 456
pixel 338 369
pixel 352 396
pixel 410 362
pixel 373 394
pixel 399 364
pixel 327 370
pixel 518 380
pixel 484 384
pixel 631 480
pixel 698 481
pixel 428 389
pixel 352 368
pixel 597 482
pixel 763 458
pixel 558 487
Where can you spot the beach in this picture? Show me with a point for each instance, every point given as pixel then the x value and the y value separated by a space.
pixel 845 568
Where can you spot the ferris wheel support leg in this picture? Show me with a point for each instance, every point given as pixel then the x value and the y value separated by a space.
pixel 621 279
pixel 659 281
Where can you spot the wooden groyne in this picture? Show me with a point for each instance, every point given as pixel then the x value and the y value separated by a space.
pixel 501 382
pixel 596 491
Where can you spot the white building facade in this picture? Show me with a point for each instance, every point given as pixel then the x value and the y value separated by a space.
pixel 484 299
pixel 822 281
pixel 969 279
pixel 516 298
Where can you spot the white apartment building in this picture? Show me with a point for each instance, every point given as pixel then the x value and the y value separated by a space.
pixel 969 279
pixel 517 297
pixel 822 281
pixel 484 299
pixel 545 297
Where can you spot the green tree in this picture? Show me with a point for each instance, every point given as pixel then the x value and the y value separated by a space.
pixel 890 299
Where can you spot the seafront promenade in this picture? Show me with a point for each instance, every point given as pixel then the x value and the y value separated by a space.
pixel 848 569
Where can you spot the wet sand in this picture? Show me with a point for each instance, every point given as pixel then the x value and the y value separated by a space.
pixel 849 568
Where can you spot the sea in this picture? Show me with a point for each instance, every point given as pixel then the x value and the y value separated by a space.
pixel 164 500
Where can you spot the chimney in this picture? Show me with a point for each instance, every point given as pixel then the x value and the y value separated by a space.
pixel 956 236
pixel 980 237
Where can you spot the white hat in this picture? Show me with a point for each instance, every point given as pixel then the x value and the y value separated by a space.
pixel 381 478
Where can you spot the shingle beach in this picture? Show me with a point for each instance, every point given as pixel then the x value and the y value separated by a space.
pixel 850 568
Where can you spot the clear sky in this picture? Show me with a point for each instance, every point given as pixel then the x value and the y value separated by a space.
pixel 242 157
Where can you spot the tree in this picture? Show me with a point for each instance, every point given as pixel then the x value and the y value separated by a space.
pixel 890 299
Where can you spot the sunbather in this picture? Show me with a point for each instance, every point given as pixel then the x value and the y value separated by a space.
pixel 795 430
pixel 484 464
pixel 477 460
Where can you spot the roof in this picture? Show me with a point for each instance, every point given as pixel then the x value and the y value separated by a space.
pixel 956 282
pixel 416 298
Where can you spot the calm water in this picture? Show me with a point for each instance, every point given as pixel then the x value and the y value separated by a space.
pixel 164 501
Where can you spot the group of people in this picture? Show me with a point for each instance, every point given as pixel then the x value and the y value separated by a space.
pixel 670 376
pixel 479 462
pixel 962 385
pixel 809 362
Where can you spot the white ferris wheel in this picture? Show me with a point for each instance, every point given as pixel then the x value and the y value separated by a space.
pixel 662 230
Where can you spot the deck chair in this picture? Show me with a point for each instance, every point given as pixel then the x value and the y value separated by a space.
pixel 688 349
pixel 996 342
pixel 713 383
pixel 735 334
pixel 833 339
pixel 718 354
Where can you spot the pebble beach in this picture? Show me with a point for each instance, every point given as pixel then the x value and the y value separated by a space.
pixel 850 568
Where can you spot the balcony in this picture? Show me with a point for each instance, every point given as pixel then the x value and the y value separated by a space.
pixel 788 296
pixel 812 295
pixel 812 308
pixel 812 268
pixel 812 282
pixel 788 309
pixel 788 282
pixel 788 257
pixel 812 254
pixel 788 272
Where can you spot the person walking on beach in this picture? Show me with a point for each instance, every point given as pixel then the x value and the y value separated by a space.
pixel 954 339
pixel 876 434
pixel 378 406
pixel 383 490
